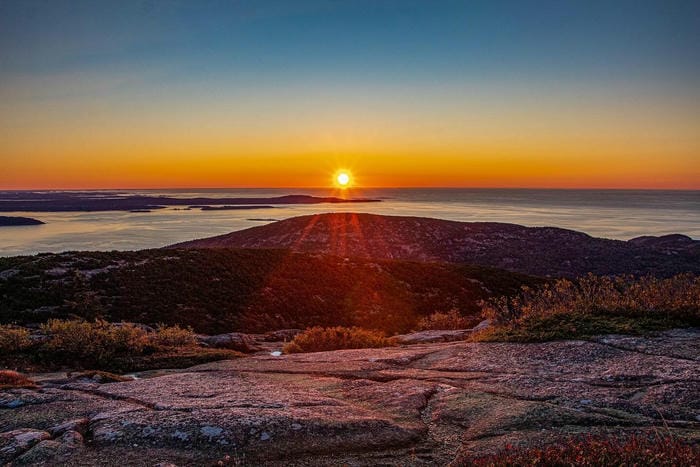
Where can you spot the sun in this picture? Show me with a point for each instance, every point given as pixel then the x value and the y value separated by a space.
pixel 343 179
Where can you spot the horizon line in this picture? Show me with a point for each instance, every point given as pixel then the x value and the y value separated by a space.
pixel 356 188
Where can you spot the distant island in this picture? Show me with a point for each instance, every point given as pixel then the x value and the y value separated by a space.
pixel 11 221
pixel 231 208
pixel 35 201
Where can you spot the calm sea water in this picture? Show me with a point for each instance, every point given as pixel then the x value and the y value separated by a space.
pixel 620 214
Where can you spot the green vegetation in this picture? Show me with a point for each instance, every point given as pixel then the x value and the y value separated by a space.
pixel 11 379
pixel 104 346
pixel 319 339
pixel 636 450
pixel 452 319
pixel 594 305
pixel 220 290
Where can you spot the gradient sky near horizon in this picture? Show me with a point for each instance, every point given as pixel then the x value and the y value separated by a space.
pixel 213 93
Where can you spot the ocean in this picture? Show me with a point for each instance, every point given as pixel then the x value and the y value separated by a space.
pixel 617 214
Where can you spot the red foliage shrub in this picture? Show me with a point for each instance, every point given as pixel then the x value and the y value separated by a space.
pixel 635 450
pixel 11 379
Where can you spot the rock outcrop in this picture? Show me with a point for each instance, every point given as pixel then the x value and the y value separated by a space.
pixel 232 340
pixel 421 404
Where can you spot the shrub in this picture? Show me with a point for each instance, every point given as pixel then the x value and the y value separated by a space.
pixel 91 343
pixel 319 339
pixel 594 305
pixel 173 336
pixel 449 320
pixel 12 379
pixel 13 339
pixel 636 450
pixel 115 347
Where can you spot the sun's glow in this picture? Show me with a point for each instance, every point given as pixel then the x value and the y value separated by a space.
pixel 343 179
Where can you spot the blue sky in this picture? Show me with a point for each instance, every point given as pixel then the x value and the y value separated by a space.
pixel 416 39
pixel 474 81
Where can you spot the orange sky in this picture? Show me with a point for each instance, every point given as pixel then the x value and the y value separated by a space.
pixel 520 142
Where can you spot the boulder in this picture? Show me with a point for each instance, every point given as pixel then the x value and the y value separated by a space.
pixel 233 340
pixel 78 425
pixel 52 451
pixel 16 442
pixel 482 325
pixel 281 335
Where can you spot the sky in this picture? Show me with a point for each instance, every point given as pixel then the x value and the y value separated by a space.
pixel 213 93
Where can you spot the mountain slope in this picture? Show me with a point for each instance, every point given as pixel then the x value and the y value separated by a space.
pixel 546 251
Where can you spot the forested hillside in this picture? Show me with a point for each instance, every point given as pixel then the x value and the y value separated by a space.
pixel 222 290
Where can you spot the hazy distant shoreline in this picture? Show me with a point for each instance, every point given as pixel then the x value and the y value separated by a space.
pixel 66 201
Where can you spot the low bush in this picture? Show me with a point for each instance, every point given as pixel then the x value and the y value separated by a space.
pixel 11 379
pixel 100 345
pixel 319 339
pixel 636 450
pixel 13 339
pixel 448 320
pixel 173 336
pixel 594 305
pixel 90 343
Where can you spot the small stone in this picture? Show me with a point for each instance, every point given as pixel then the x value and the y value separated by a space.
pixel 482 325
pixel 107 434
pixel 211 431
pixel 181 435
pixel 79 424
pixel 12 404
pixel 264 436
